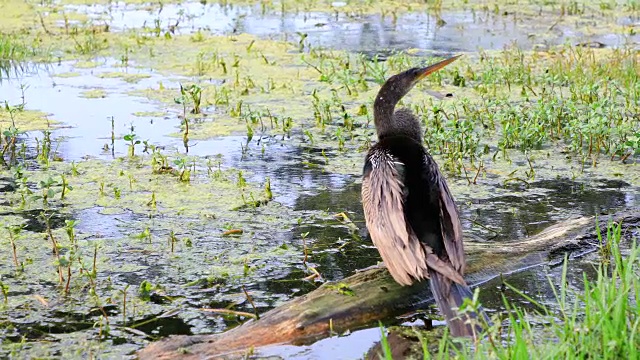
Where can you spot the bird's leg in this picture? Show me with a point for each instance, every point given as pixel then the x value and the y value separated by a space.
pixel 379 265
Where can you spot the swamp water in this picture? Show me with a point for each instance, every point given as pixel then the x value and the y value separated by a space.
pixel 149 228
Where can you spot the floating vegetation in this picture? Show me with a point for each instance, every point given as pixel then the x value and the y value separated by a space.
pixel 94 94
pixel 154 168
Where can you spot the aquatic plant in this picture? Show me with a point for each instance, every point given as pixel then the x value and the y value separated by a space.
pixel 510 117
pixel 144 235
pixel 133 140
pixel 46 219
pixel 117 192
pixel 65 186
pixel 48 189
pixel 183 169
pixel 172 240
pixel 191 93
pixel 13 52
pixel 10 141
pixel 14 234
pixel 74 169
pixel 195 95
pixel 88 42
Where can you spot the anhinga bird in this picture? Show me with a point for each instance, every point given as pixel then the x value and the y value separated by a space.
pixel 410 213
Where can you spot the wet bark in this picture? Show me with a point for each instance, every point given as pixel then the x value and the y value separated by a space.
pixel 376 296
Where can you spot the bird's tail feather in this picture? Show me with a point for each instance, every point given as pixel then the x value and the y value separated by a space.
pixel 450 296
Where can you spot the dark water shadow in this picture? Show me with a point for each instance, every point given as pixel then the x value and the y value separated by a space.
pixel 528 211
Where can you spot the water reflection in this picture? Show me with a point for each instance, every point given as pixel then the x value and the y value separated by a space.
pixel 527 212
pixel 446 32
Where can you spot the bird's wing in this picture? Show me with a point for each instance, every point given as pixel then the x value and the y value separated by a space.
pixel 450 225
pixel 383 203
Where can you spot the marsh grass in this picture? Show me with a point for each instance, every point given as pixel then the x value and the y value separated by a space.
pixel 581 98
pixel 13 52
pixel 600 321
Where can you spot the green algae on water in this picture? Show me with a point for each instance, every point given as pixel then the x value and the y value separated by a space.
pixel 94 94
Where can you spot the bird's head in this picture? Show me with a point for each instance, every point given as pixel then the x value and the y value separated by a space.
pixel 401 122
pixel 400 84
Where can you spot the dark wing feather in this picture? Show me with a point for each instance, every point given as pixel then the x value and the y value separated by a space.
pixel 451 227
pixel 383 203
pixel 450 246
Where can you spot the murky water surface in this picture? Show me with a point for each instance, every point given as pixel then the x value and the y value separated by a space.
pixel 445 32
pixel 208 270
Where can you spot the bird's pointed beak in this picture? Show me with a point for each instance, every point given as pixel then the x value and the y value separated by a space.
pixel 437 66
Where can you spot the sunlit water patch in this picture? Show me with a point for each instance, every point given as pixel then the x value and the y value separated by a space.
pixel 88 120
pixel 449 31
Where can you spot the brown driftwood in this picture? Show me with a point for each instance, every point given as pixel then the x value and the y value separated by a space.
pixel 376 296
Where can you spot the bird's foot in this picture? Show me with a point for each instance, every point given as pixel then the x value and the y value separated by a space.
pixel 379 265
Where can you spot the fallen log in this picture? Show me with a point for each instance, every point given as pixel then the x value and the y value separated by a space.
pixel 367 297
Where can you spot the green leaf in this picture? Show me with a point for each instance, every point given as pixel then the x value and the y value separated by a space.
pixel 64 262
pixel 144 291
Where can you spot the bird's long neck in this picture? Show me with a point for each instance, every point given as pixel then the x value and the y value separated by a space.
pixel 389 122
pixel 383 109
